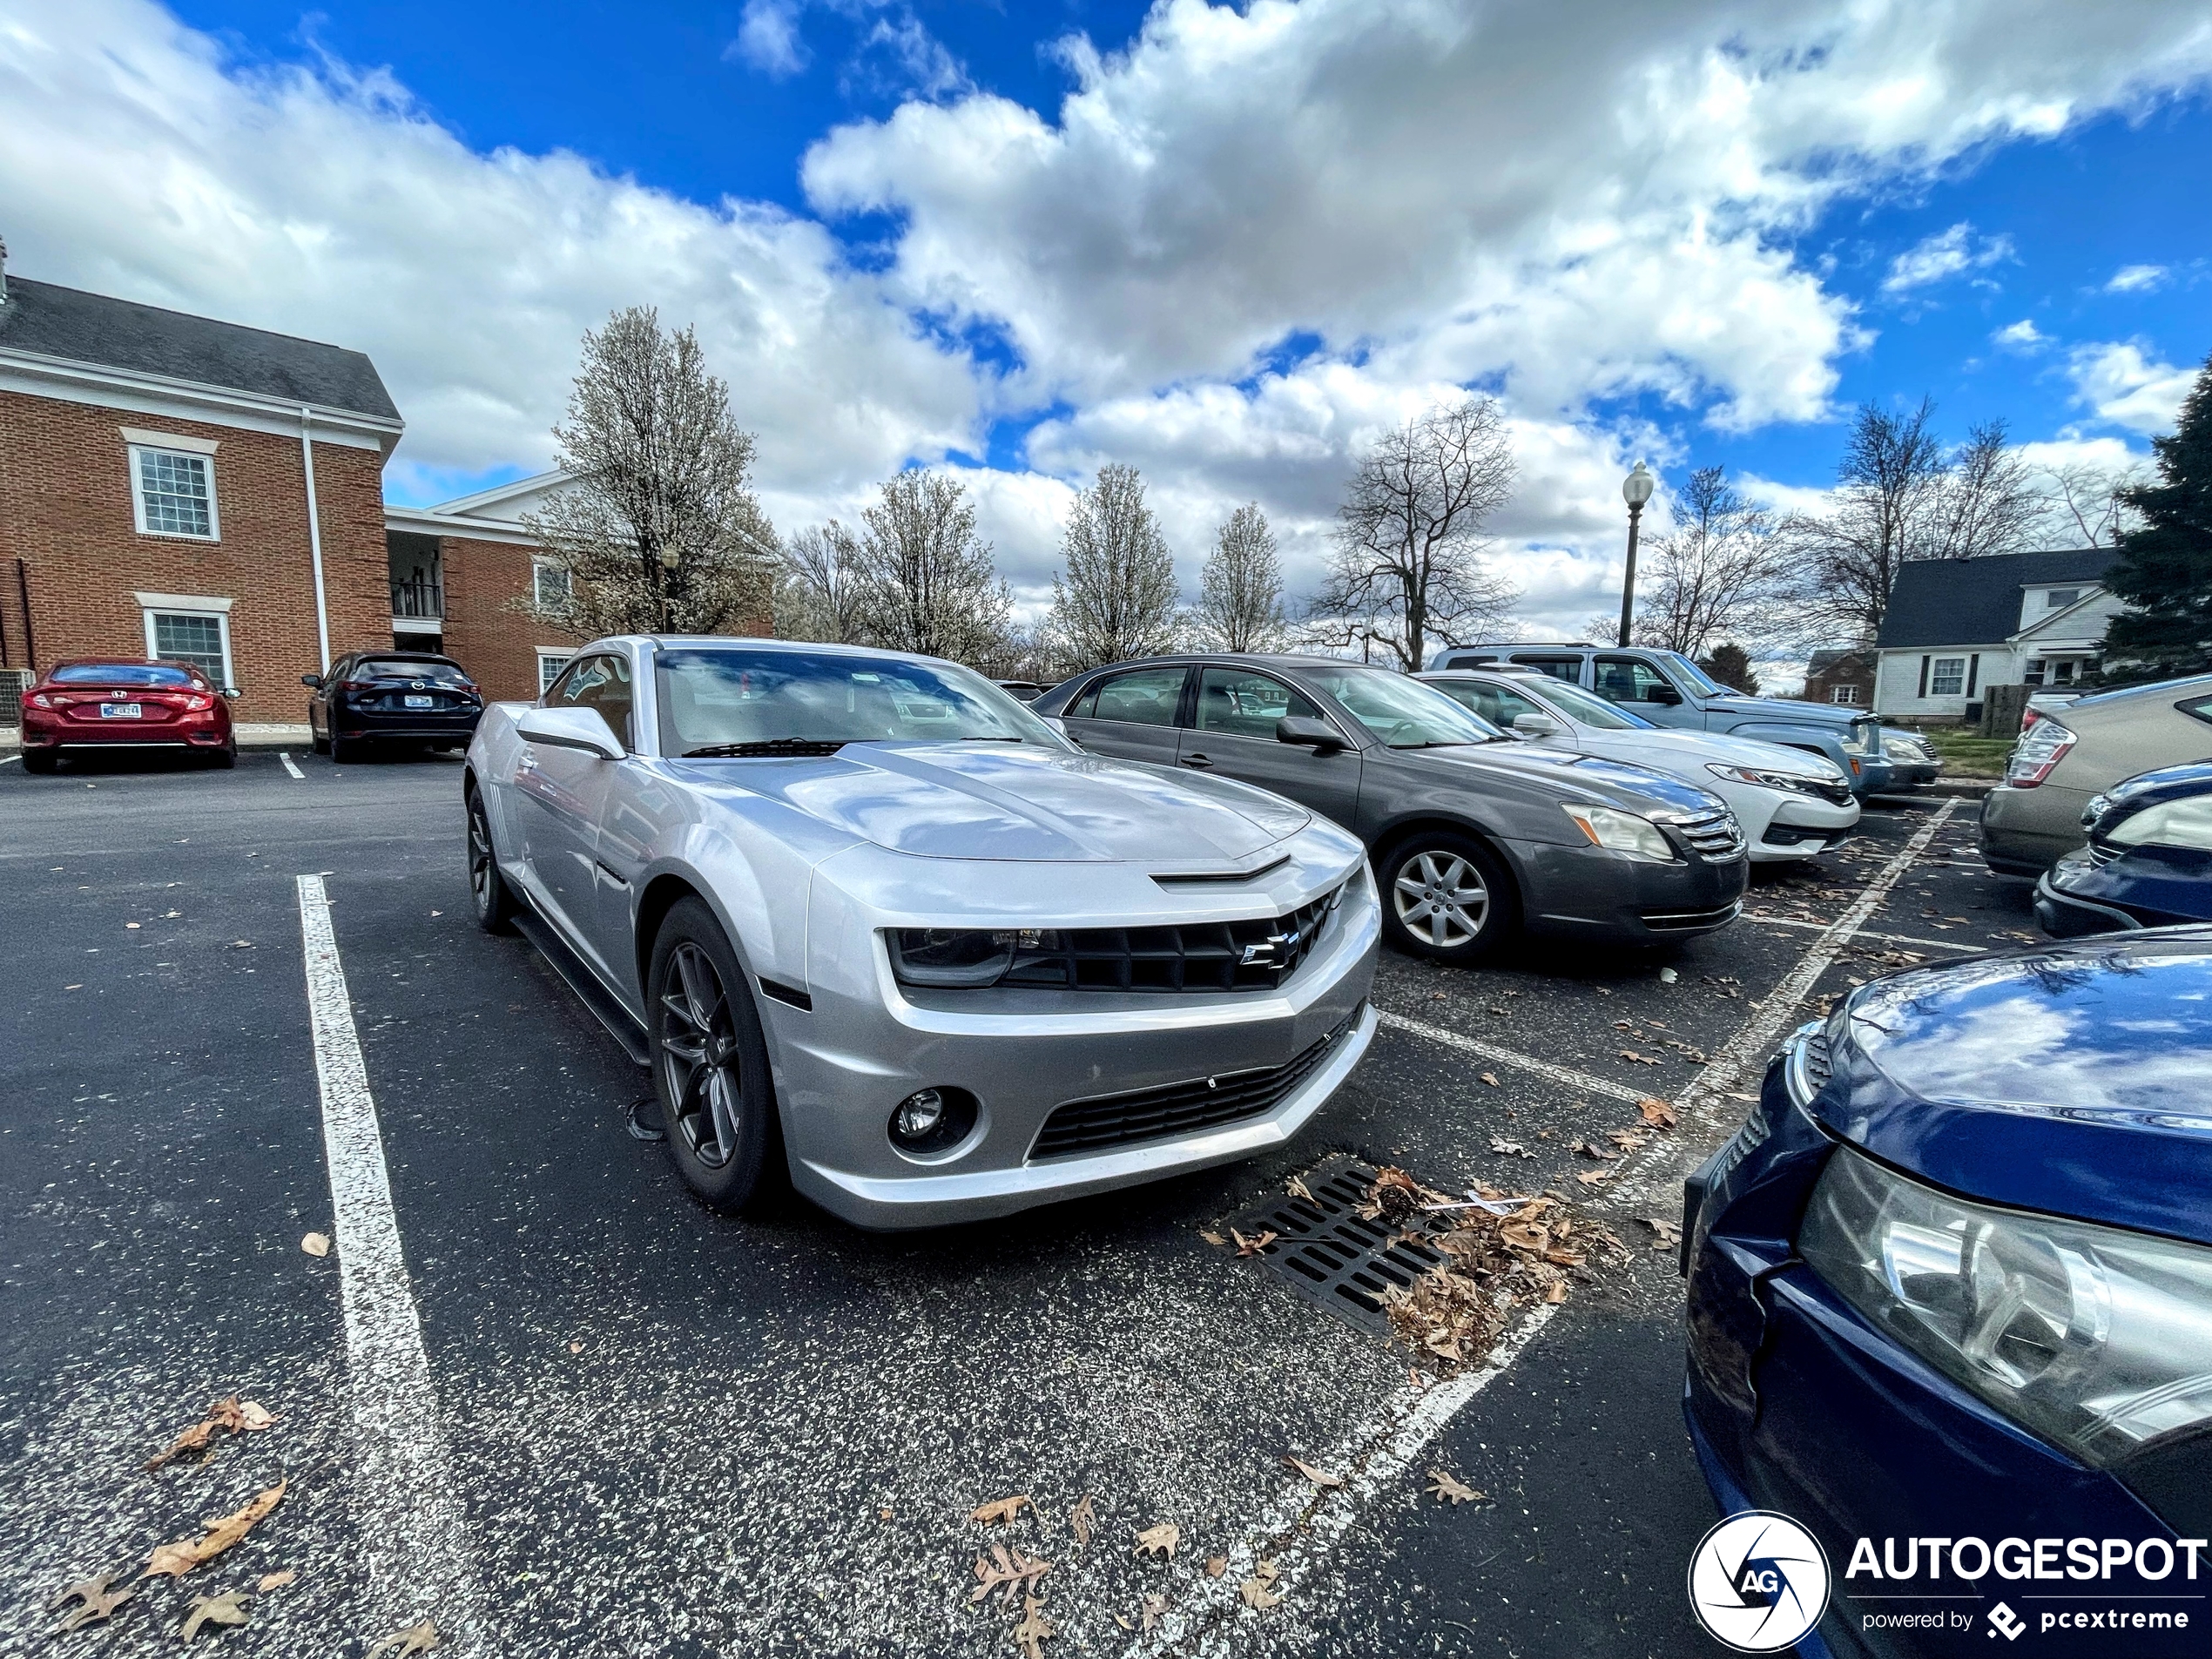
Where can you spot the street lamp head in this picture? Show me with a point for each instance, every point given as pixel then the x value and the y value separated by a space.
pixel 1636 487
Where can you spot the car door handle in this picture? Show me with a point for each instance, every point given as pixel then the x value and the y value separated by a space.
pixel 526 761
pixel 1198 762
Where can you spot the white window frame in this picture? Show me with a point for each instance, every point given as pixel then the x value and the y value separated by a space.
pixel 2053 601
pixel 1936 675
pixel 1846 695
pixel 199 606
pixel 549 665
pixel 540 569
pixel 180 451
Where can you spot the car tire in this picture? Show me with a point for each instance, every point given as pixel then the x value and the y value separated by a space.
pixel 717 1098
pixel 225 758
pixel 342 749
pixel 40 759
pixel 1446 897
pixel 318 743
pixel 494 901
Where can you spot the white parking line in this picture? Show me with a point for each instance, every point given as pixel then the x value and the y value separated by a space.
pixel 1482 1050
pixel 1298 1531
pixel 413 1540
pixel 289 767
pixel 1887 939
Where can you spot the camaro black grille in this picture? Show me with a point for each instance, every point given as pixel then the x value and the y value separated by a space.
pixel 1179 1109
pixel 1713 836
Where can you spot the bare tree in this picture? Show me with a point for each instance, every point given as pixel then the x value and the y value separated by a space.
pixel 820 594
pixel 926 583
pixel 1988 501
pixel 1409 564
pixel 2086 506
pixel 1240 597
pixel 1119 597
pixel 1721 573
pixel 657 526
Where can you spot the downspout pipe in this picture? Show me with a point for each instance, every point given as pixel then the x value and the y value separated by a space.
pixel 315 536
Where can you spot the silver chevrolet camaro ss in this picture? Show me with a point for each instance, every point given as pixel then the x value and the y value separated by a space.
pixel 878 924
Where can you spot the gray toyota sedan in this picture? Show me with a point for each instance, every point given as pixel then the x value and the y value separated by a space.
pixel 1474 837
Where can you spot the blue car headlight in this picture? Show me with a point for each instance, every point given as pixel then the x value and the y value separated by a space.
pixel 2098 1338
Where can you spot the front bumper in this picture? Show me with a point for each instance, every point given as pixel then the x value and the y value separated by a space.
pixel 1802 825
pixel 2025 832
pixel 867 1044
pixel 1588 892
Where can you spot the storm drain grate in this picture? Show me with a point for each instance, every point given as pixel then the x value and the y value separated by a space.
pixel 1329 1254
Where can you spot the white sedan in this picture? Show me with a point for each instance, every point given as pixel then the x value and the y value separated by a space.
pixel 1792 803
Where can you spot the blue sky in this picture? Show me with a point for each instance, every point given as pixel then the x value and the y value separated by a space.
pixel 1226 244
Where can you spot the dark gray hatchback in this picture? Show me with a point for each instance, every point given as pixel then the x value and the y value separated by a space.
pixel 1474 836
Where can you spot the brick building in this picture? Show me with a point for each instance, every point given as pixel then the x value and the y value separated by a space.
pixel 178 486
pixel 1844 678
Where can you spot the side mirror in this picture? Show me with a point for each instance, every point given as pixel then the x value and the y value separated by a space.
pixel 1057 725
pixel 312 682
pixel 1665 695
pixel 1536 725
pixel 1304 730
pixel 584 729
pixel 231 691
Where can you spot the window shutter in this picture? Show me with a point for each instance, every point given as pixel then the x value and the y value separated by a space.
pixel 1923 677
pixel 1973 671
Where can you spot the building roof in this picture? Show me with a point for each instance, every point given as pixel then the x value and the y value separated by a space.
pixel 1822 661
pixel 67 323
pixel 1977 602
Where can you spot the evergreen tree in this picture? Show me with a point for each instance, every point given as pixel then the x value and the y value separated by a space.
pixel 2165 568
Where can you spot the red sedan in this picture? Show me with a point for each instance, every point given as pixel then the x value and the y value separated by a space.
pixel 125 703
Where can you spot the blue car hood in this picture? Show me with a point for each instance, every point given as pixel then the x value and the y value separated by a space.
pixel 2075 1079
pixel 1768 708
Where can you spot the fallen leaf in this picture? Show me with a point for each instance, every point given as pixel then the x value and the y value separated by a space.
pixel 1007 1571
pixel 1557 1293
pixel 1510 1149
pixel 1159 1541
pixel 1641 1059
pixel 1658 1113
pixel 95 1599
pixel 194 1439
pixel 1214 1238
pixel 1596 1177
pixel 405 1644
pixel 1150 1610
pixel 242 1416
pixel 316 1244
pixel 1251 1246
pixel 269 1582
pixel 1216 1565
pixel 1003 1510
pixel 227 1608
pixel 178 1559
pixel 1319 1477
pixel 1256 1590
pixel 1490 1077
pixel 1034 1627
pixel 1668 1230
pixel 883 1514
pixel 1445 1489
pixel 576 1347
pixel 1083 1517
pixel 1124 1623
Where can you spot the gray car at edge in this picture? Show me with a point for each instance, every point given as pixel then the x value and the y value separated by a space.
pixel 1475 837
pixel 877 925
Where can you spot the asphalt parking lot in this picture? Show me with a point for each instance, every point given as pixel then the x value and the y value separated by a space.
pixel 658 1431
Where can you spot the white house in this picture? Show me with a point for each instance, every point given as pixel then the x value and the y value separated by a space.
pixel 1956 627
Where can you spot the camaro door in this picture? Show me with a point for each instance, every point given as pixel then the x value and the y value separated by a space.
pixel 564 793
pixel 1233 734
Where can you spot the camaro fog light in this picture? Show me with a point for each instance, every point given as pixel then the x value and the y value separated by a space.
pixel 932 1120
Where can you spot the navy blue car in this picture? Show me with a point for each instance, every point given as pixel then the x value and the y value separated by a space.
pixel 1951 1303
pixel 2148 863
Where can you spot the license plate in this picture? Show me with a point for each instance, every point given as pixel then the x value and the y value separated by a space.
pixel 122 712
pixel 418 702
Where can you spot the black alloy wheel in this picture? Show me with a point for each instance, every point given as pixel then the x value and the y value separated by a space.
pixel 710 1064
pixel 1446 897
pixel 494 899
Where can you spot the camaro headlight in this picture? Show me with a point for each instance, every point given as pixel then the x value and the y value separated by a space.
pixel 1795 782
pixel 963 956
pixel 2097 1338
pixel 1619 831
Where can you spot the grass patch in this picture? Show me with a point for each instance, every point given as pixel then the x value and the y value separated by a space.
pixel 1970 756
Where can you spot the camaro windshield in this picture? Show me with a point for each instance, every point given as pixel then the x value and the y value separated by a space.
pixel 122 674
pixel 1403 713
pixel 721 701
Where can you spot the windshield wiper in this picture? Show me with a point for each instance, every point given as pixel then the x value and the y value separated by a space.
pixel 803 746
pixel 993 739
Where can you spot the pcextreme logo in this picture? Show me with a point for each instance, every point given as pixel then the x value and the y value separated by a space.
pixel 1758 1581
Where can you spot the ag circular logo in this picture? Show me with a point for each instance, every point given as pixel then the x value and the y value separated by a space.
pixel 1758 1581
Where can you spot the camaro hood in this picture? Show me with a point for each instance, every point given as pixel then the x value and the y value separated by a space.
pixel 989 801
pixel 2072 1079
pixel 1602 782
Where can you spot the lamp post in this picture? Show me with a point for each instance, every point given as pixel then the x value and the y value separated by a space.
pixel 1635 490
pixel 669 559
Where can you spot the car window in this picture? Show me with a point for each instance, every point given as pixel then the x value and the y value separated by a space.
pixel 1402 713
pixel 1569 669
pixel 124 674
pixel 1579 705
pixel 714 698
pixel 1245 704
pixel 1630 679
pixel 1493 703
pixel 1692 676
pixel 1144 697
pixel 600 681
pixel 397 668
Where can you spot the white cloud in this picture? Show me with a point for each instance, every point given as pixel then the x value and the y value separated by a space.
pixel 2021 336
pixel 768 39
pixel 2123 388
pixel 900 58
pixel 1943 255
pixel 2136 279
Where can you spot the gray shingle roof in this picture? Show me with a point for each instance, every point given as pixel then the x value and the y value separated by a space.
pixel 1977 602
pixel 121 333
